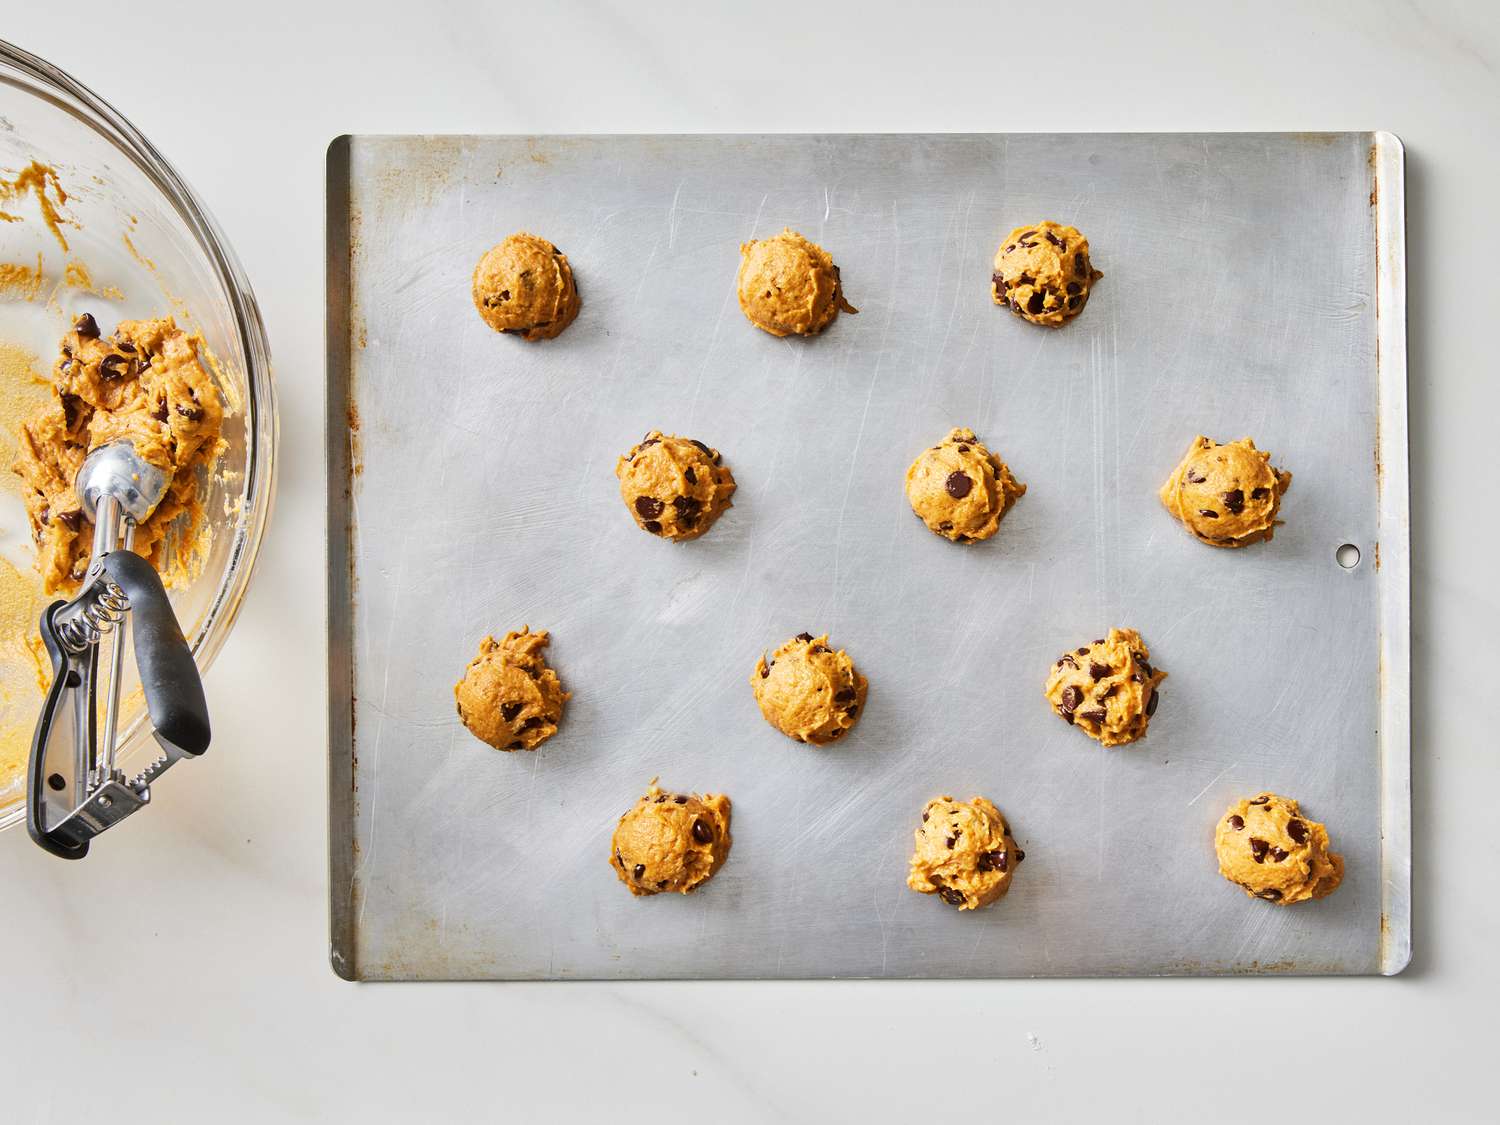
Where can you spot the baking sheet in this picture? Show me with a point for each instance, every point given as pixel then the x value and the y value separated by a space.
pixel 1253 285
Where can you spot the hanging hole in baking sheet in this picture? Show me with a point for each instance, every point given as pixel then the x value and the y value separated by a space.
pixel 1348 556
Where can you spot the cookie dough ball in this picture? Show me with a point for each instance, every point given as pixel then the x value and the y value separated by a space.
pixel 1226 495
pixel 960 490
pixel 1267 847
pixel 790 286
pixel 965 853
pixel 670 842
pixel 1043 273
pixel 525 286
pixel 508 696
pixel 674 487
pixel 808 691
pixel 1108 688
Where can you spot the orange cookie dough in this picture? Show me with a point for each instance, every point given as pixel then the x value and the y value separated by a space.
pixel 143 384
pixel 961 490
pixel 524 286
pixel 1107 689
pixel 1270 850
pixel 789 286
pixel 1043 273
pixel 674 487
pixel 964 853
pixel 508 696
pixel 670 842
pixel 1226 495
pixel 808 691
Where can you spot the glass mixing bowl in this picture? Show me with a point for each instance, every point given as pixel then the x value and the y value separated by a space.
pixel 138 244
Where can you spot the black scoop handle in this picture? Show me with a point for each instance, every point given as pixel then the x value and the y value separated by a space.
pixel 168 673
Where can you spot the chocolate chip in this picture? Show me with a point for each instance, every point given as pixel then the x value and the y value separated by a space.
pixel 517 745
pixel 1263 799
pixel 1074 302
pixel 661 884
pixel 818 648
pixel 1106 692
pixel 959 484
pixel 1074 287
pixel 1025 234
pixel 87 327
pixel 640 869
pixel 953 839
pixel 687 522
pixel 1095 716
pixel 1099 671
pixel 703 447
pixel 702 832
pixel 766 671
pixel 1098 640
pixel 1009 248
pixel 652 526
pixel 952 897
pixel 1270 895
pixel 963 449
pixel 1072 696
pixel 508 711
pixel 1236 821
pixel 71 406
pixel 843 695
pixel 1084 651
pixel 685 504
pixel 1026 279
pixel 70 520
pixel 851 711
pixel 532 723
pixel 804 636
pixel 997 281
pixel 1297 831
pixel 1258 849
pixel 925 816
pixel 1080 265
pixel 1259 493
pixel 1067 658
pixel 1193 476
pixel 1151 704
pixel 1035 302
pixel 661 798
pixel 191 413
pixel 1052 238
pixel 946 525
pixel 1278 854
pixel 649 507
pixel 690 476
pixel 159 411
pixel 1068 715
pixel 992 861
pixel 680 799
pixel 647 442
pixel 1208 513
pixel 113 367
pixel 1234 500
pixel 1020 855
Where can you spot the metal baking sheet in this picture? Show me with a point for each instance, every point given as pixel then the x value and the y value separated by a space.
pixel 1252 285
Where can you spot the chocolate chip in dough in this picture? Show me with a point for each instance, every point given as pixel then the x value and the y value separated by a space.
pixel 1297 831
pixel 649 507
pixel 1072 696
pixel 702 833
pixel 1258 849
pixel 959 484
pixel 1234 500
pixel 87 327
pixel 1236 822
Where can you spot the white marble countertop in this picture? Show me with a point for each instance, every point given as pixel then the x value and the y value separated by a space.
pixel 203 923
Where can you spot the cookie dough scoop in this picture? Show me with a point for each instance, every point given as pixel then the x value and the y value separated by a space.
pixel 670 842
pixel 789 286
pixel 808 691
pixel 74 790
pixel 1226 495
pixel 1272 851
pixel 1043 273
pixel 964 853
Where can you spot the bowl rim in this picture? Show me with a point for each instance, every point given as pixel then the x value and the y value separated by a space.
pixel 261 416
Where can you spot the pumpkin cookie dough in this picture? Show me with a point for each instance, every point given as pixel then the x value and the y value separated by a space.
pixel 790 286
pixel 508 696
pixel 1271 851
pixel 965 853
pixel 674 487
pixel 1226 495
pixel 1108 688
pixel 959 489
pixel 525 286
pixel 808 691
pixel 144 384
pixel 671 842
pixel 1043 273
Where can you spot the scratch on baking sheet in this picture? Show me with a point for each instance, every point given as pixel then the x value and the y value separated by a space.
pixel 958 285
pixel 729 292
pixel 864 418
pixel 827 203
pixel 1211 784
pixel 672 218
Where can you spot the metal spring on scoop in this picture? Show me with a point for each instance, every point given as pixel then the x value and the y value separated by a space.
pixel 95 620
